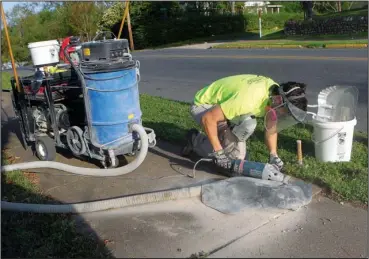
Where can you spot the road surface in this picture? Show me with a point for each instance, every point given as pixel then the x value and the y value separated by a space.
pixel 178 73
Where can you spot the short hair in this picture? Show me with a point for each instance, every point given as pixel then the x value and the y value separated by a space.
pixel 300 103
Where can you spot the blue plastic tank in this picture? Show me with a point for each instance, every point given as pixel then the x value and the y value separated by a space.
pixel 112 102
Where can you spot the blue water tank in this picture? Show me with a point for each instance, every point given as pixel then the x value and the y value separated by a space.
pixel 112 102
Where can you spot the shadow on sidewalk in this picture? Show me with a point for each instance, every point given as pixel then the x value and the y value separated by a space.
pixel 28 235
pixel 32 235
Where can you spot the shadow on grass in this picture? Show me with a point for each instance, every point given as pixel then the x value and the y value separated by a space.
pixel 361 138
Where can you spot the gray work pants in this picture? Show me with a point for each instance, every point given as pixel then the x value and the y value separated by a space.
pixel 233 148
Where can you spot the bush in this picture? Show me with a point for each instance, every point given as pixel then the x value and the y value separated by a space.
pixel 270 21
pixel 336 25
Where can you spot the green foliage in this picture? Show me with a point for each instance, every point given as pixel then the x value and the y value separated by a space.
pixel 163 31
pixel 54 21
pixel 5 80
pixel 269 20
pixel 157 23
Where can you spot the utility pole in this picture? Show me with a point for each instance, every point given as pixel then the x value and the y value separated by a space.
pixel 130 30
pixel 233 3
pixel 259 11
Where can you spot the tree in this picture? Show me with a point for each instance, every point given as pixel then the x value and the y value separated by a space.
pixel 308 9
pixel 83 17
pixel 327 6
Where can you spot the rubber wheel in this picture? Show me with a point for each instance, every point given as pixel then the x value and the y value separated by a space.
pixel 45 149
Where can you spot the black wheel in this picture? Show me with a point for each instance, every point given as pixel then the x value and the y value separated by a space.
pixel 75 140
pixel 45 149
pixel 119 161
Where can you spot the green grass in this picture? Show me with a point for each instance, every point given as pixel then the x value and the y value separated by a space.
pixel 278 38
pixel 348 181
pixel 31 235
pixel 291 43
pixel 5 80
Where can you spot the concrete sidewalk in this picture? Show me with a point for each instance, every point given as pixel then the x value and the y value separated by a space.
pixel 187 228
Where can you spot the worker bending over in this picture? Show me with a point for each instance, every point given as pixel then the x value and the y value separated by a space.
pixel 227 110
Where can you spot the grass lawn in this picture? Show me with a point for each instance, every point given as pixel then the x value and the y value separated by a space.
pixel 278 39
pixel 346 181
pixel 5 80
pixel 7 75
pixel 231 36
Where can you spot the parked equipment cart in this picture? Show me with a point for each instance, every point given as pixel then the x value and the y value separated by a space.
pixel 87 108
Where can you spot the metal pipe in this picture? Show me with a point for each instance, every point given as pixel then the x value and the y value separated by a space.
pixel 10 47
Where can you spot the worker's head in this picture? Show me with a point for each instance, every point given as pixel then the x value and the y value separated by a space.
pixel 288 106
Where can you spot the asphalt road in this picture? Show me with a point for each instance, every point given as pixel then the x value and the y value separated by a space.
pixel 178 73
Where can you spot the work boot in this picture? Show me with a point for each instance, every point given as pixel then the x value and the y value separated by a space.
pixel 190 136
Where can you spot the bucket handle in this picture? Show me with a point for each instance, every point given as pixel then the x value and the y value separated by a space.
pixel 138 71
pixel 319 142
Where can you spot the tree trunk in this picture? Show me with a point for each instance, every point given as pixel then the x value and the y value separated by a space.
pixel 339 6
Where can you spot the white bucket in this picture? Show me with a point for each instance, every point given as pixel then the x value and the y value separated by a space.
pixel 333 140
pixel 44 53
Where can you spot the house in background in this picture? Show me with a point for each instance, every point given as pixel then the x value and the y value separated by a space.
pixel 264 6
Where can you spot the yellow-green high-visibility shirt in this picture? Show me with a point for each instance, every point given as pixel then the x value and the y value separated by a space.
pixel 238 95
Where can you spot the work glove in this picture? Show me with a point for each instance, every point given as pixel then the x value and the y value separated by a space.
pixel 221 159
pixel 275 160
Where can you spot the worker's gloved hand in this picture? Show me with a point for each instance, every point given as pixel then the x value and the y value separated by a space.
pixel 221 159
pixel 275 160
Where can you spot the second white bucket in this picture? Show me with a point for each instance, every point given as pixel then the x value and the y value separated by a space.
pixel 333 140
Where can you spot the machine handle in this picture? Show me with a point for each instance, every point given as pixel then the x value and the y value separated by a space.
pixel 104 32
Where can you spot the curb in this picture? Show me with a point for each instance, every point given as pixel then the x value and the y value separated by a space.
pixel 332 46
pixel 107 204
pixel 293 46
pixel 116 203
